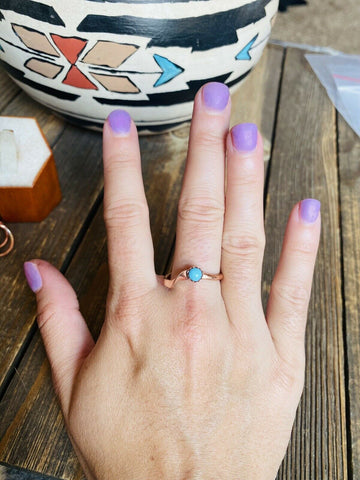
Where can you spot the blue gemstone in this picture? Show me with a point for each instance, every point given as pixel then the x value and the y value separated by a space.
pixel 195 274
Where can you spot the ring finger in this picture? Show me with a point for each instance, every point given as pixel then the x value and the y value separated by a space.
pixel 201 206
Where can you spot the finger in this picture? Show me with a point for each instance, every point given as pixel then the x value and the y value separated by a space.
pixel 291 287
pixel 201 205
pixel 243 236
pixel 125 208
pixel 65 334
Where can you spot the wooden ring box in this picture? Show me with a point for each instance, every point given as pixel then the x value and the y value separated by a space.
pixel 29 184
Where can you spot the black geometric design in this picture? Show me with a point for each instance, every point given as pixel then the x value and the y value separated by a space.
pixel 160 128
pixel 201 33
pixel 171 98
pixel 79 122
pixel 20 77
pixel 22 49
pixel 284 4
pixel 32 9
pixel 1 16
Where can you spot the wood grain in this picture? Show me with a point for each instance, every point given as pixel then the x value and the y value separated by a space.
pixel 349 174
pixel 304 164
pixel 36 413
pixel 81 183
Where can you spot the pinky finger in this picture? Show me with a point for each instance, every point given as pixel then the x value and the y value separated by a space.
pixel 291 288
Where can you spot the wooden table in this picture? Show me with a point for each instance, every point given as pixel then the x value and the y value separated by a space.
pixel 310 152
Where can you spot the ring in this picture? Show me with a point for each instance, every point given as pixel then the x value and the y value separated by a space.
pixel 9 240
pixel 195 274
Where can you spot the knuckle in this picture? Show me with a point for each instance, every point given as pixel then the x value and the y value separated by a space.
pixel 294 297
pixel 50 312
pixel 209 139
pixel 126 310
pixel 126 213
pixel 46 313
pixel 125 159
pixel 249 247
pixel 248 176
pixel 200 209
pixel 303 249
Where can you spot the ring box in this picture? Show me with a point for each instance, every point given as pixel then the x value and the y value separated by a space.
pixel 29 184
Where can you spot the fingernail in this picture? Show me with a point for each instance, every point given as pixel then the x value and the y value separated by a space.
pixel 216 96
pixel 33 276
pixel 120 122
pixel 309 210
pixel 244 137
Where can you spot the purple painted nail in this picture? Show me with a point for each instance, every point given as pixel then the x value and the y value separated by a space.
pixel 120 122
pixel 216 96
pixel 33 276
pixel 244 137
pixel 309 210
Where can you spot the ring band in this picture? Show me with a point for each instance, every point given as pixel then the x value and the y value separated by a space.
pixel 9 240
pixel 194 274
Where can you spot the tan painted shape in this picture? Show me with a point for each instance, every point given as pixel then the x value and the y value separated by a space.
pixel 109 54
pixel 116 84
pixel 35 40
pixel 46 69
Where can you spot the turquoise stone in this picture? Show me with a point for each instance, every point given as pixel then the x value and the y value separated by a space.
pixel 195 274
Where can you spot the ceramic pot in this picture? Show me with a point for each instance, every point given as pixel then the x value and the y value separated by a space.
pixel 84 58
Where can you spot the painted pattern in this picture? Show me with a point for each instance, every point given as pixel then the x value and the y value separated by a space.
pixel 86 66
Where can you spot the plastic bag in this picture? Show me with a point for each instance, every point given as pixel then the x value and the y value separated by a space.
pixel 340 75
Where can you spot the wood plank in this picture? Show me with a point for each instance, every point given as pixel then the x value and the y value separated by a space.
pixel 13 333
pixel 31 429
pixel 349 169
pixel 81 183
pixel 29 407
pixel 304 164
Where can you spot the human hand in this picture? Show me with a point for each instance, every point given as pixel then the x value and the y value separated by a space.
pixel 193 382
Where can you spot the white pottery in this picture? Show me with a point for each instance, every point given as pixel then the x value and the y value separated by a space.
pixel 84 58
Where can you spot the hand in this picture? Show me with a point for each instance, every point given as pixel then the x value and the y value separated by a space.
pixel 193 382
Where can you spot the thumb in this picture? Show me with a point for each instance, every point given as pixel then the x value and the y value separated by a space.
pixel 65 334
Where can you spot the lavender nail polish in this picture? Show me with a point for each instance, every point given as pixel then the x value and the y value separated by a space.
pixel 120 122
pixel 216 96
pixel 33 276
pixel 309 210
pixel 244 137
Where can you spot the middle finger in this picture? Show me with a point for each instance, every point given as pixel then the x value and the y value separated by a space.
pixel 201 205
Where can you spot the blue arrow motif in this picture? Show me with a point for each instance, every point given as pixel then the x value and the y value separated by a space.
pixel 170 70
pixel 244 53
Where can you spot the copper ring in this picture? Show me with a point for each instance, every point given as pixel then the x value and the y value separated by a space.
pixel 194 274
pixel 8 242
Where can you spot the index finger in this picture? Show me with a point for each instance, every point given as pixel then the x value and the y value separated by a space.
pixel 126 212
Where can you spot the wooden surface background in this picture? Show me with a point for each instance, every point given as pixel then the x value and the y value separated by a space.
pixel 309 152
